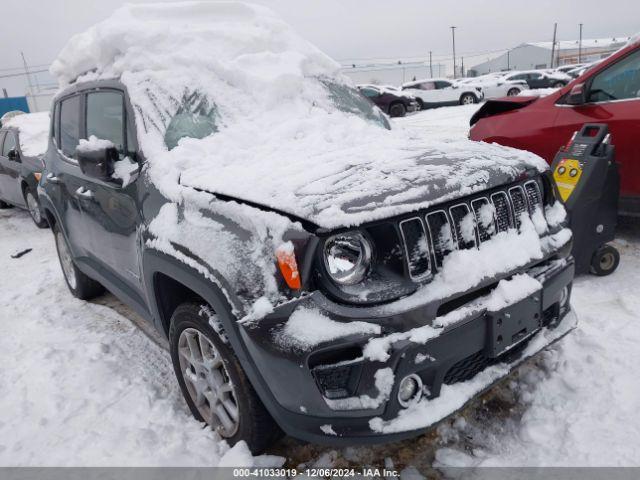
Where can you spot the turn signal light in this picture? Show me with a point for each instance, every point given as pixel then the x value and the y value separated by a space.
pixel 288 266
pixel 37 175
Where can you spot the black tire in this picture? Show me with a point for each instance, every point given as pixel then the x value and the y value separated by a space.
pixel 420 103
pixel 397 109
pixel 36 216
pixel 80 286
pixel 513 92
pixel 255 424
pixel 4 205
pixel 605 260
pixel 468 99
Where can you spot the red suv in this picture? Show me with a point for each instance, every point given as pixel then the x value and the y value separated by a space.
pixel 607 93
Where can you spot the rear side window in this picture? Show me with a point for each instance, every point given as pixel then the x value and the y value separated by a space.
pixel 618 82
pixel 367 92
pixel 9 144
pixel 105 117
pixel 69 125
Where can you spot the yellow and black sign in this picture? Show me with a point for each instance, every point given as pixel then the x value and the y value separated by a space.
pixel 567 175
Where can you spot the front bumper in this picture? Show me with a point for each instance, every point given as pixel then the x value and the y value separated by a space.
pixel 454 366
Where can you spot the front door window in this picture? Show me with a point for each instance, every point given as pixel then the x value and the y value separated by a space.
pixel 621 81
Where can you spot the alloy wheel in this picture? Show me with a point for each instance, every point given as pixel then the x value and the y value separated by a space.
pixel 66 261
pixel 208 382
pixel 34 208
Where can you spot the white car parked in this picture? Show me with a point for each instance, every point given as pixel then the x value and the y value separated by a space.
pixel 495 86
pixel 438 92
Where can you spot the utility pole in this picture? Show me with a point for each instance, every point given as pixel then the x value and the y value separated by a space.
pixel 553 44
pixel 26 71
pixel 462 67
pixel 580 46
pixel 508 60
pixel 453 36
pixel 430 64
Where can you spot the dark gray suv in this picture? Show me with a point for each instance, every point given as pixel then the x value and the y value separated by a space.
pixel 341 290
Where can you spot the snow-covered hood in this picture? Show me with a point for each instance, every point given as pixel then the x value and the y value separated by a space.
pixel 363 183
pixel 285 129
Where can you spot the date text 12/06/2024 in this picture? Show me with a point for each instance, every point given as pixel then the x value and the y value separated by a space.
pixel 368 472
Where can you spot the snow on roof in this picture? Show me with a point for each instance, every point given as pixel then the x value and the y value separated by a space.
pixel 608 43
pixel 282 127
pixel 236 40
pixel 33 129
pixel 416 82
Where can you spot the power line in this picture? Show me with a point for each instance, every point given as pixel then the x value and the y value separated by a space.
pixel 8 69
pixel 22 74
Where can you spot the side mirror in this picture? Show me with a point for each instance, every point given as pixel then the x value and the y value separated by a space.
pixel 577 96
pixel 13 155
pixel 97 162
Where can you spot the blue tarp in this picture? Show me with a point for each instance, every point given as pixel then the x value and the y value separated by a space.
pixel 13 103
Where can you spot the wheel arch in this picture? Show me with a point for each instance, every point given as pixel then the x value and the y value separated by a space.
pixel 170 282
pixel 464 94
pixel 163 274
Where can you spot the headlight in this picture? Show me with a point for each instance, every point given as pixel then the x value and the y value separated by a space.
pixel 347 257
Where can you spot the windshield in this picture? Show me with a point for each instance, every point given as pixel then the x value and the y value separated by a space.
pixel 350 100
pixel 194 114
pixel 195 117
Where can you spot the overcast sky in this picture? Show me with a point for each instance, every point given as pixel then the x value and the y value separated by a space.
pixel 345 29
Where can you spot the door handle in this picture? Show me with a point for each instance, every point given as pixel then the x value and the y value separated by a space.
pixel 85 193
pixel 52 178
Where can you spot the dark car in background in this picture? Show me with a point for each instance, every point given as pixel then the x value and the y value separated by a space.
pixel 540 79
pixel 23 141
pixel 392 102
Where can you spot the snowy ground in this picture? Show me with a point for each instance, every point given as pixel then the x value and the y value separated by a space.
pixel 81 384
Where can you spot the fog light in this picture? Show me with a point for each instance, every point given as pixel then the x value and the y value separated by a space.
pixel 409 390
pixel 564 297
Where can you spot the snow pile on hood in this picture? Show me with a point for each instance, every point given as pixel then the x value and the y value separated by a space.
pixel 33 131
pixel 275 121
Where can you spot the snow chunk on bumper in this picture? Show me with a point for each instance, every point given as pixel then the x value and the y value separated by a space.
pixel 307 328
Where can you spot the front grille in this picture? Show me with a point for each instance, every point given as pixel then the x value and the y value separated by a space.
pixel 469 222
pixel 416 246
pixel 485 214
pixel 467 368
pixel 519 203
pixel 534 196
pixel 441 235
pixel 464 226
pixel 504 216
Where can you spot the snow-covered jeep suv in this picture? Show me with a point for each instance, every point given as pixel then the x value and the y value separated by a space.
pixel 311 267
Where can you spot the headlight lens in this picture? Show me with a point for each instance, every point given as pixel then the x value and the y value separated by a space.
pixel 347 257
